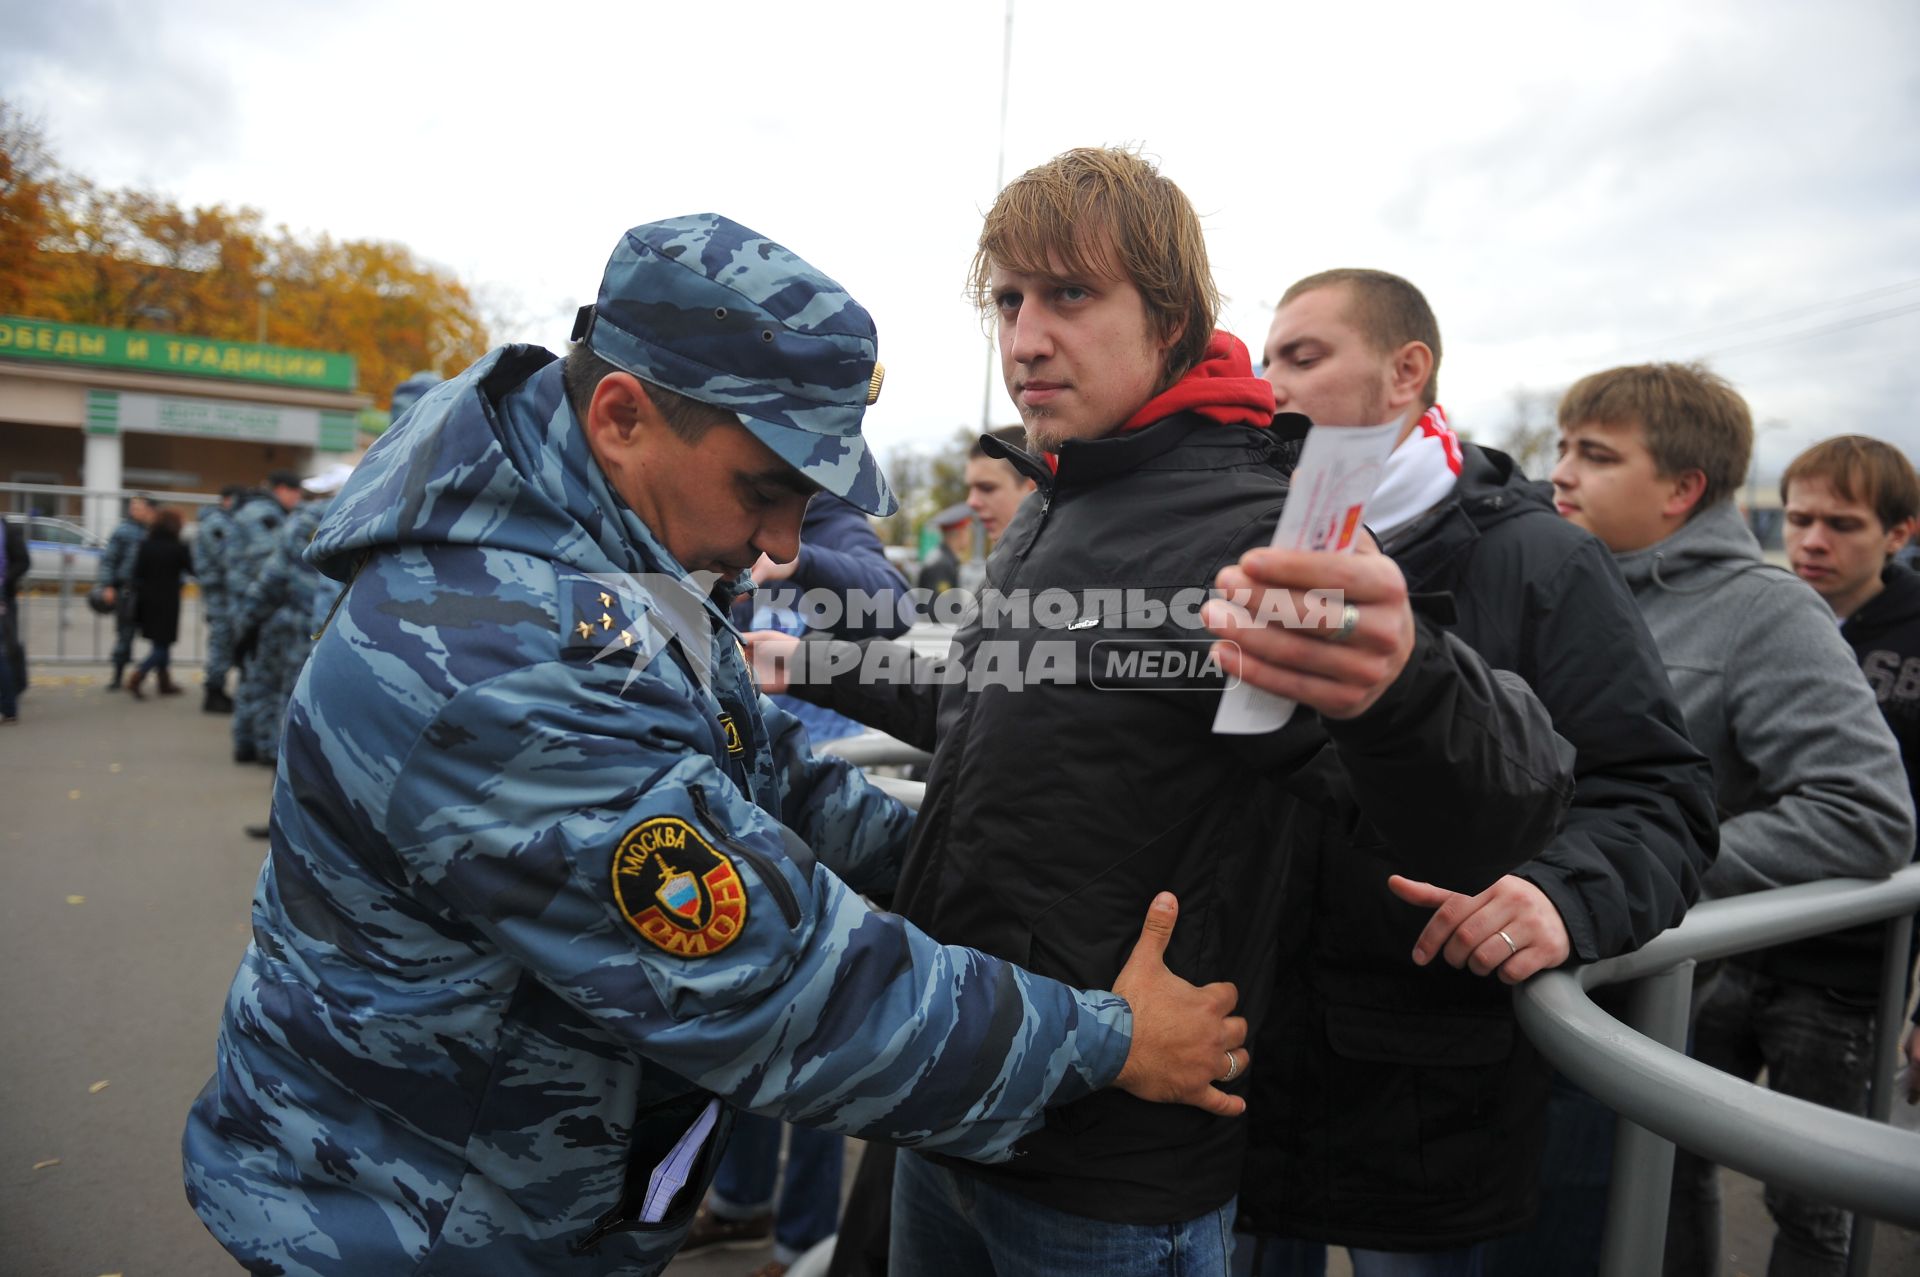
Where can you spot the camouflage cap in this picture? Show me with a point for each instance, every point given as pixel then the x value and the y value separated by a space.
pixel 702 306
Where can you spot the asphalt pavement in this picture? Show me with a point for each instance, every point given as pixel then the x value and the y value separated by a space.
pixel 124 883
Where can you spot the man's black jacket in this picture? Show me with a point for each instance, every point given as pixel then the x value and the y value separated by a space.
pixel 1056 809
pixel 1398 1107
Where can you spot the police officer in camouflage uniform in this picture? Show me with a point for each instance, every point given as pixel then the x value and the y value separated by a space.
pixel 210 566
pixel 285 605
pixel 257 521
pixel 278 607
pixel 551 885
pixel 116 574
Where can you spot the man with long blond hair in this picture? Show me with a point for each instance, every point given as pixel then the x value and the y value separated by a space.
pixel 1076 771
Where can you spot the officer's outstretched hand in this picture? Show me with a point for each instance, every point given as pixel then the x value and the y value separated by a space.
pixel 1335 660
pixel 1185 1038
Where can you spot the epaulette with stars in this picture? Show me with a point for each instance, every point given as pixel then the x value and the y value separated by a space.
pixel 598 621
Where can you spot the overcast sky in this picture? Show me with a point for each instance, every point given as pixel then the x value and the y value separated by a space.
pixel 1573 185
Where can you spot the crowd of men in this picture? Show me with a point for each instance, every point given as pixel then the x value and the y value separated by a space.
pixel 559 892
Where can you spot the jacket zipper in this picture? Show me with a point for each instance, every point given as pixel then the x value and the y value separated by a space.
pixel 612 1222
pixel 763 865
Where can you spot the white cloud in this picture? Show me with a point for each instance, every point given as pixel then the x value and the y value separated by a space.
pixel 1570 184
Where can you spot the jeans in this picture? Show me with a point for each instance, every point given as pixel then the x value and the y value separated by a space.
pixel 809 1192
pixel 1815 1045
pixel 157 657
pixel 1576 1167
pixel 1258 1255
pixel 947 1224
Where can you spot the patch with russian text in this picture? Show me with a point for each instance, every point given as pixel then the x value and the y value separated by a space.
pixel 677 890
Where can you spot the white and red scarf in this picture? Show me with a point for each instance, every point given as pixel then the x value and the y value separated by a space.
pixel 1420 474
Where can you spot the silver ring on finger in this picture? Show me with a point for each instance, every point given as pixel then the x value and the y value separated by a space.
pixel 1512 948
pixel 1233 1068
pixel 1349 622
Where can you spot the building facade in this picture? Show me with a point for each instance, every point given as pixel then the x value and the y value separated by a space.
pixel 108 409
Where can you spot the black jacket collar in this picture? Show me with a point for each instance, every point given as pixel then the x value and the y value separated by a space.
pixel 1184 441
pixel 1896 605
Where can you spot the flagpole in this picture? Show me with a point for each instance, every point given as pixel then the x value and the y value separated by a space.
pixel 999 180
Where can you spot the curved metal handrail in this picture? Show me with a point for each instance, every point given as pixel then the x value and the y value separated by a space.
pixel 1835 1157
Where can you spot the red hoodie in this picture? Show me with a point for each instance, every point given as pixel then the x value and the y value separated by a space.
pixel 1221 388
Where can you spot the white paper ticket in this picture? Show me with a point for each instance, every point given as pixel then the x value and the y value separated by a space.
pixel 1326 507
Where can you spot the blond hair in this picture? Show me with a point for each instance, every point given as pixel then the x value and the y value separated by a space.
pixel 1104 212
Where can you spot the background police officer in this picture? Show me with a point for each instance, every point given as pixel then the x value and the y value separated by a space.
pixel 257 520
pixel 210 568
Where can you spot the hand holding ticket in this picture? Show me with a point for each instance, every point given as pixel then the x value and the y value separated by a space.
pixel 1343 632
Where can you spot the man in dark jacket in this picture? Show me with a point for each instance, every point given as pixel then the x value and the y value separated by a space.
pixel 1398 1108
pixel 116 574
pixel 1076 771
pixel 1852 502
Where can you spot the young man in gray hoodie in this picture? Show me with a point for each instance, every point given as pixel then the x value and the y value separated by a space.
pixel 1808 778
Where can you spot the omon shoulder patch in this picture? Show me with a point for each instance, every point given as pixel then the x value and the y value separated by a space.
pixel 677 890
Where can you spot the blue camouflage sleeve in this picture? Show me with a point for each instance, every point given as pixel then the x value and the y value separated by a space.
pixel 854 827
pixel 588 834
pixel 116 561
pixel 269 589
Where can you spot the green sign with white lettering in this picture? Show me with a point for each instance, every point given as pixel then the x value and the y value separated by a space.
pixel 170 352
pixel 112 412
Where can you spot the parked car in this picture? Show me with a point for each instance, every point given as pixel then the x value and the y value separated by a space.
pixel 56 547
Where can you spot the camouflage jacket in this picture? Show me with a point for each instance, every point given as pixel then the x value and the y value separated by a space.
pixel 542 885
pixel 285 583
pixel 256 524
pixel 123 547
pixel 210 551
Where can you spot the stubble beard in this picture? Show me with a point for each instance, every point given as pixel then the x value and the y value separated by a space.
pixel 1039 438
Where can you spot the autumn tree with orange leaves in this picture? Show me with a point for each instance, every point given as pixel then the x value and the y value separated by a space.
pixel 72 251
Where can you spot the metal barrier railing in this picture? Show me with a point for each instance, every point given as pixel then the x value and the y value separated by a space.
pixel 54 624
pixel 1640 1070
pixel 56 627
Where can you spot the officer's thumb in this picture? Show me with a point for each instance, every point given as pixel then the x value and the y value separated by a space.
pixel 1152 945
